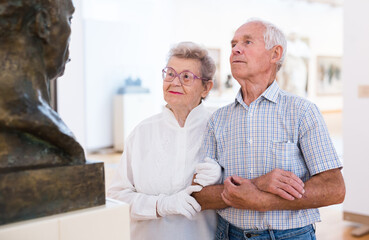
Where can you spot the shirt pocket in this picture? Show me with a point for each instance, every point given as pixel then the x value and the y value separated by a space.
pixel 286 156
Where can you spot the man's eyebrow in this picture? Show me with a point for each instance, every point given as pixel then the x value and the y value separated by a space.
pixel 247 36
pixel 244 37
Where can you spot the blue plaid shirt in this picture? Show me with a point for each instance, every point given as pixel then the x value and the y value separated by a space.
pixel 277 130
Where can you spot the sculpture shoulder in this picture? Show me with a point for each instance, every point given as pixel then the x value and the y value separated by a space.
pixel 37 130
pixel 24 150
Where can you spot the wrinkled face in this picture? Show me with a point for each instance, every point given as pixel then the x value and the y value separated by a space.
pixel 177 95
pixel 56 51
pixel 249 58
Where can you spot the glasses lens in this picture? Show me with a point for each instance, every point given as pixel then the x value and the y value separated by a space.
pixel 168 74
pixel 187 78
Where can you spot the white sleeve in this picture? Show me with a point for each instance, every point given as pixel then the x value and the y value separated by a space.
pixel 122 188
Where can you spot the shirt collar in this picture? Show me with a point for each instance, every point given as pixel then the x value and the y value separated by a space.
pixel 271 93
pixel 192 118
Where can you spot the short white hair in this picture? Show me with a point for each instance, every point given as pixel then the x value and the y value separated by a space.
pixel 272 36
pixel 191 50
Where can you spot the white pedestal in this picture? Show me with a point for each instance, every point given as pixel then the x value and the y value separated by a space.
pixel 110 221
pixel 129 110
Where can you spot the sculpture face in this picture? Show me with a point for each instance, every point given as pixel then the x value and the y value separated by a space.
pixel 56 51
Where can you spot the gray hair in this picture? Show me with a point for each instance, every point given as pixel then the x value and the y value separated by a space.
pixel 192 50
pixel 272 36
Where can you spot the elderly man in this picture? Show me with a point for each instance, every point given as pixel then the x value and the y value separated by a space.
pixel 266 130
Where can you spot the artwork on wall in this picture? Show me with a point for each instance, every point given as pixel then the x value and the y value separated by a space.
pixel 293 76
pixel 329 75
pixel 215 54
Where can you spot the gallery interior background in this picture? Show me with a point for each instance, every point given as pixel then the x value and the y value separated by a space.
pixel 113 40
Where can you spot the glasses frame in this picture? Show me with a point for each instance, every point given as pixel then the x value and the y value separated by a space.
pixel 178 75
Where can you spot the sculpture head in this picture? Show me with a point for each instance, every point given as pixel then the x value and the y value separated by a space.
pixel 34 41
pixel 41 24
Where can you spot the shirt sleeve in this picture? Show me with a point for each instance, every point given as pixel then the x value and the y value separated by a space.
pixel 315 142
pixel 209 145
pixel 122 187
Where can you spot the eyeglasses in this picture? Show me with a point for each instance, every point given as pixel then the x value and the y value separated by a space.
pixel 186 77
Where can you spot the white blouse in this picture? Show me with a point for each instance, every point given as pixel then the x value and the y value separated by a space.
pixel 159 158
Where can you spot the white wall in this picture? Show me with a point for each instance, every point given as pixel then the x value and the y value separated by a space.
pixel 356 110
pixel 115 39
pixel 321 24
pixel 111 40
pixel 71 87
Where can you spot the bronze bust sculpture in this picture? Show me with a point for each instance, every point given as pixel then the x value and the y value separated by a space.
pixel 34 49
pixel 43 169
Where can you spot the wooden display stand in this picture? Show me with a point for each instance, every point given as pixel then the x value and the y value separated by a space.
pixel 110 221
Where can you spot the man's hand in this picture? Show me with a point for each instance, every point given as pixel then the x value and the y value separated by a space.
pixel 323 189
pixel 241 193
pixel 281 183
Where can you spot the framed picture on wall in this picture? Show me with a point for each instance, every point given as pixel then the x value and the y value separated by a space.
pixel 294 74
pixel 329 75
pixel 215 54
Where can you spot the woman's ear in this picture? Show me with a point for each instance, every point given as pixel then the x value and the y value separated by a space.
pixel 207 87
pixel 42 25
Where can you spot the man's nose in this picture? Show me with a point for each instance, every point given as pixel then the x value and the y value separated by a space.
pixel 236 50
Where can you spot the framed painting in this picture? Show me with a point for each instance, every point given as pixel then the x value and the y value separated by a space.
pixel 329 75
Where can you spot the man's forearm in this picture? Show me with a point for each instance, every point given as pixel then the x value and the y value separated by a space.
pixel 210 197
pixel 323 189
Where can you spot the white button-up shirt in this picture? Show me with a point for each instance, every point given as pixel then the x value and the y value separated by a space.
pixel 159 158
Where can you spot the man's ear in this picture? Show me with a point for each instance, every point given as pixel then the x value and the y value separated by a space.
pixel 277 52
pixel 42 25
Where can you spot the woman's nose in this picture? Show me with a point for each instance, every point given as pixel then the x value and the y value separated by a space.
pixel 176 81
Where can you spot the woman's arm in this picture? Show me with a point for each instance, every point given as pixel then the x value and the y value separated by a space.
pixel 122 188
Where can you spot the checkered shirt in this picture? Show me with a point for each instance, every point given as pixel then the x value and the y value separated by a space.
pixel 277 130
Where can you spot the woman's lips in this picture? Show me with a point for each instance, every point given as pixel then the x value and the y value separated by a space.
pixel 178 93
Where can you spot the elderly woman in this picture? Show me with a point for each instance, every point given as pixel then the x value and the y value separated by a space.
pixel 160 155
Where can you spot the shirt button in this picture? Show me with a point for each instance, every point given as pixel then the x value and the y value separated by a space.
pixel 250 141
pixel 250 114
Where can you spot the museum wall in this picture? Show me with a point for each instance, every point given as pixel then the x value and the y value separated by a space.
pixel 356 106
pixel 114 40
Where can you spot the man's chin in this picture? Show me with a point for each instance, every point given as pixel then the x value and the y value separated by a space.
pixel 237 72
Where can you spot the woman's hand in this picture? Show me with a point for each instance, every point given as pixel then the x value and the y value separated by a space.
pixel 208 172
pixel 179 203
